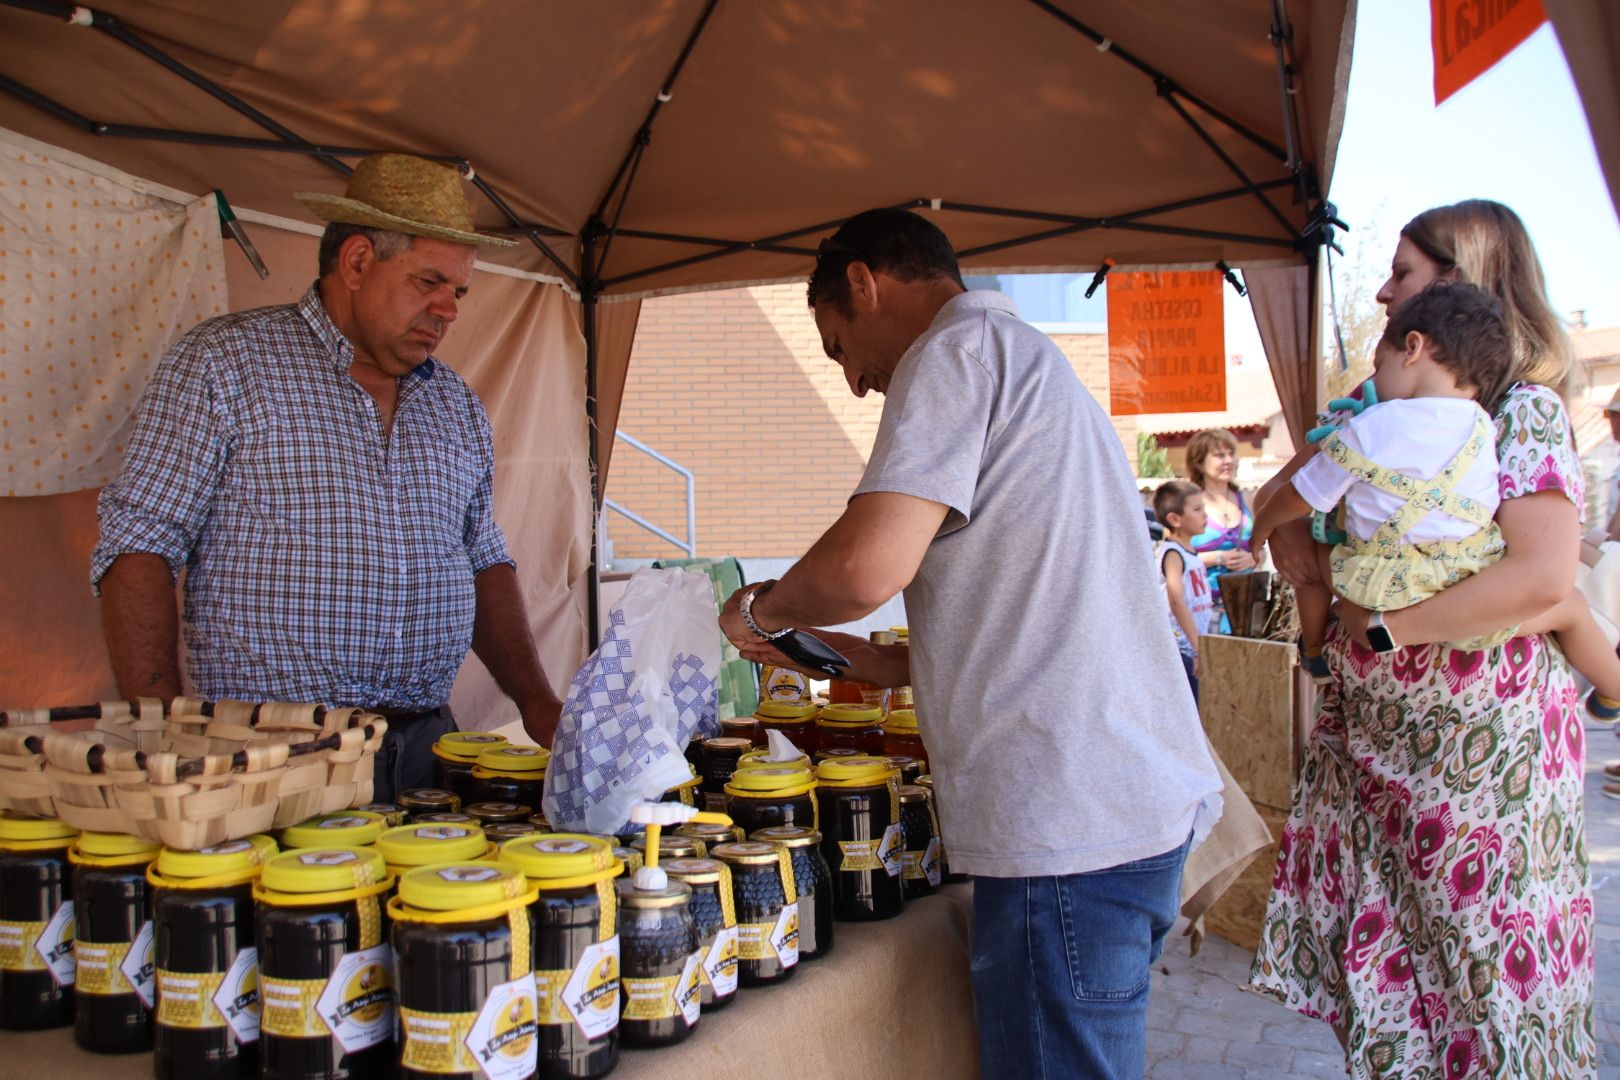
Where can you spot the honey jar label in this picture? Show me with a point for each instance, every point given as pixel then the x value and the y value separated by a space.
pixel 237 997
pixel 40 946
pixel 754 940
pixel 720 963
pixel 933 862
pixel 357 1003
pixel 784 684
pixel 591 994
pixel 689 994
pixel 436 1042
pixel 139 967
pixel 287 1007
pixel 101 967
pixel 785 935
pixel 650 999
pixel 859 855
pixel 504 1039
pixel 185 999
pixel 892 851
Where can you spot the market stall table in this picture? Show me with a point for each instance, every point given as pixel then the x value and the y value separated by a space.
pixel 891 1002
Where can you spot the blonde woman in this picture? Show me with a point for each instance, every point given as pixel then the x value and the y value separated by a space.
pixel 1431 898
pixel 1224 544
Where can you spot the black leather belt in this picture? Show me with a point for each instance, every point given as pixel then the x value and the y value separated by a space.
pixel 401 717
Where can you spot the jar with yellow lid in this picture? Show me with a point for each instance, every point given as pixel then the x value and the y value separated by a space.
pixel 114 989
pixel 455 754
pixel 902 736
pixel 716 922
pixel 36 923
pixel 795 720
pixel 921 872
pixel 759 797
pixel 464 971
pixel 410 846
pixel 850 727
pixel 812 878
pixel 576 950
pixel 662 967
pixel 326 986
pixel 761 759
pixel 926 782
pixel 206 960
pixel 347 828
pixel 766 899
pixel 420 801
pixel 498 813
pixel 861 836
pixel 511 774
pixel 719 760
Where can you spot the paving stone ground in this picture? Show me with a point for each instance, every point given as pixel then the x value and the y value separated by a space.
pixel 1202 1024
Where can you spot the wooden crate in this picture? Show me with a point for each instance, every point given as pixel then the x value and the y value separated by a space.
pixel 1237 915
pixel 1250 698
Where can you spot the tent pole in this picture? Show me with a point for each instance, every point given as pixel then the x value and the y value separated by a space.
pixel 589 289
pixel 1168 93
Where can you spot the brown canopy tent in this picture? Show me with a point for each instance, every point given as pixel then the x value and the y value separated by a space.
pixel 648 147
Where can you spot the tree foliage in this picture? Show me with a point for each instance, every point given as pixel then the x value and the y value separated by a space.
pixel 1152 462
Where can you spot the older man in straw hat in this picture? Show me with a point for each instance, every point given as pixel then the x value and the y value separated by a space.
pixel 327 485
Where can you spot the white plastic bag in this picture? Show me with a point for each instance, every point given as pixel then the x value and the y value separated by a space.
pixel 635 703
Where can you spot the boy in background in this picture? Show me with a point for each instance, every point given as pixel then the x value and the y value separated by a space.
pixel 1179 506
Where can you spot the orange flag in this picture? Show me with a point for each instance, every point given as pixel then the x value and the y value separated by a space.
pixel 1166 342
pixel 1469 36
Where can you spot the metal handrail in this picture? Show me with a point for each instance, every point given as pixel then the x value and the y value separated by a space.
pixel 689 545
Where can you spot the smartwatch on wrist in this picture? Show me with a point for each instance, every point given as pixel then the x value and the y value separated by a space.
pixel 1378 635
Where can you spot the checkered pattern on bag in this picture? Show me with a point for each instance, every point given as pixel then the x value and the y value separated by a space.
pixel 326 561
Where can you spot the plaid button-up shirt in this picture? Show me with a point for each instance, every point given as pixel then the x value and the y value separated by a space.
pixel 325 561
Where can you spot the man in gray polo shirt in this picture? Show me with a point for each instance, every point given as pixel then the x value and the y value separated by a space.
pixel 1064 742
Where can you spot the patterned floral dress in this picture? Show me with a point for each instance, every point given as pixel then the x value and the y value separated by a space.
pixel 1431 894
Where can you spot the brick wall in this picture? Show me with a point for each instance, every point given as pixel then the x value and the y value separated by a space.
pixel 733 384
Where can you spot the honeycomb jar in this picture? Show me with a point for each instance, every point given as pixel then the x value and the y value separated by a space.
pixel 862 837
pixel 662 980
pixel 926 782
pixel 112 910
pixel 757 798
pixel 766 901
pixel 576 950
pixel 850 727
pixel 921 872
pixel 511 774
pixel 323 953
pixel 36 908
pixel 716 922
pixel 812 879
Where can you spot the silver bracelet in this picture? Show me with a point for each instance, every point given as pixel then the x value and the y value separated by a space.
pixel 746 608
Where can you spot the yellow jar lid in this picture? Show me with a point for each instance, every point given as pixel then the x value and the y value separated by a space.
pixel 515 759
pixel 756 759
pixel 693 781
pixel 34 831
pixel 466 745
pixel 770 779
pixel 231 857
pixel 323 869
pixel 784 710
pixel 842 715
pixel 346 829
pixel 106 845
pixel 423 844
pixel 559 855
pixel 457 885
pixel 856 771
pixel 902 722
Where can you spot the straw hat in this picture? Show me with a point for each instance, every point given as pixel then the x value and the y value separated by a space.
pixel 405 194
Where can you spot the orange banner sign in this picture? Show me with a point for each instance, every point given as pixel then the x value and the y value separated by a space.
pixel 1469 36
pixel 1166 343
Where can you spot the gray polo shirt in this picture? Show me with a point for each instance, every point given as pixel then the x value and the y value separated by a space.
pixel 1060 728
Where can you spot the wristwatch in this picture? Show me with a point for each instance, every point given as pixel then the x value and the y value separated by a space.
pixel 1378 635
pixel 745 608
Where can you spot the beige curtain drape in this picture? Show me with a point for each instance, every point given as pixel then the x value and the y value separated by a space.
pixel 616 323
pixel 1589 31
pixel 1281 297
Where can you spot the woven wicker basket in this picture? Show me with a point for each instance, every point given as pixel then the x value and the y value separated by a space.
pixel 189 774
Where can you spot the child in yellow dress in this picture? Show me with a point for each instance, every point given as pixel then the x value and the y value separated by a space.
pixel 1417 473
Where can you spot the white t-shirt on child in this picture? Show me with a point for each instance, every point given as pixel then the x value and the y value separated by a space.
pixel 1414 436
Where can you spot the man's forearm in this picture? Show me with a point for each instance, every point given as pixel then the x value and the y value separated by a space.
pixel 503 641
pixel 142 626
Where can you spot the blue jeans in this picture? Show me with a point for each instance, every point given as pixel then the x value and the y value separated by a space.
pixel 1061 968
pixel 405 758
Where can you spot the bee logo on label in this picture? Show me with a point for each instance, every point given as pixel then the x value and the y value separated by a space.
pixel 463 874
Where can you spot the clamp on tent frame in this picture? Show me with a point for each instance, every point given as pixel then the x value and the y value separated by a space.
pixel 1097 278
pixel 1231 277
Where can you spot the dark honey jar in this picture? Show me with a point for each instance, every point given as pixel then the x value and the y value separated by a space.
pixel 114 989
pixel 716 922
pixel 757 798
pixel 348 828
pixel 206 959
pixel 455 754
pixel 455 818
pixel 500 834
pixel 670 846
pixel 512 774
pixel 761 759
pixel 576 950
pixel 410 846
pixel 767 906
pixel 719 761
pixel 920 872
pixel 393 814
pixel 742 727
pixel 498 813
pixel 839 752
pixel 707 834
pixel 662 984
pixel 419 801
pixel 861 836
pixel 463 959
pixel 688 792
pixel 908 767
pixel 926 782
pixel 796 721
pixel 326 986
pixel 850 727
pixel 813 881
pixel 36 923
pixel 902 736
